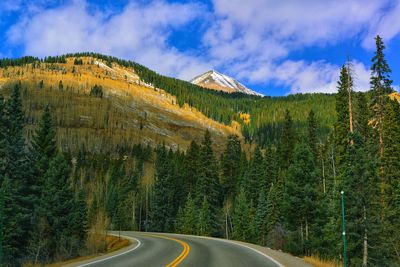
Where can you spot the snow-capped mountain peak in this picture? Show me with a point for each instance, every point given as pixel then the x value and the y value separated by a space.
pixel 215 80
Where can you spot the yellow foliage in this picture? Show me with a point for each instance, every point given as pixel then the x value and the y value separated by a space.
pixel 245 117
pixel 395 95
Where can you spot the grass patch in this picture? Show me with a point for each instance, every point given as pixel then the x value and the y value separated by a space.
pixel 319 262
pixel 114 243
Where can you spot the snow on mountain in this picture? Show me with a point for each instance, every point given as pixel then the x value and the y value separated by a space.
pixel 214 80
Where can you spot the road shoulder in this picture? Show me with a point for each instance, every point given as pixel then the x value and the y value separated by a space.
pixel 134 243
pixel 284 259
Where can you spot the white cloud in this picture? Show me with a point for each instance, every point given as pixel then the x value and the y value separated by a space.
pixel 387 25
pixel 254 40
pixel 139 32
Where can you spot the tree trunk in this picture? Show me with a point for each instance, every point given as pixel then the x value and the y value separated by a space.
pixel 306 230
pixel 323 176
pixel 133 212
pixel 226 226
pixel 302 236
pixel 333 166
pixel 365 249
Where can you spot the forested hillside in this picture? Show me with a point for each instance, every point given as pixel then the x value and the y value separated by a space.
pixel 260 118
pixel 284 191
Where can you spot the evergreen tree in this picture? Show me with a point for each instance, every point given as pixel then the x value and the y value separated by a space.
pixel 163 193
pixel 301 186
pixel 242 218
pixel 271 169
pixel 208 183
pixel 364 229
pixel 312 133
pixel 287 141
pixel 261 218
pixel 19 197
pixel 187 221
pixel 342 126
pixel 1 220
pixel 275 206
pixel 362 117
pixel 255 177
pixel 381 86
pixel 44 146
pixel 230 166
pixel 391 165
pixel 191 168
pixel 206 217
pixel 3 138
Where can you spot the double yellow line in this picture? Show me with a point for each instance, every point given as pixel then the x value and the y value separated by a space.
pixel 182 256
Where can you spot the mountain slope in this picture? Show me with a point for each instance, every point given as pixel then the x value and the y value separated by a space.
pixel 217 81
pixel 259 119
pixel 129 111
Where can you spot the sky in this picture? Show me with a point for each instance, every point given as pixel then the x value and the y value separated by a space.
pixel 274 47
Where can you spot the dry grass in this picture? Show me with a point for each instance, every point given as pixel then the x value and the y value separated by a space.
pixel 318 262
pixel 114 243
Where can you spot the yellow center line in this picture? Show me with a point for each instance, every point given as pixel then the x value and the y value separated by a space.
pixel 182 256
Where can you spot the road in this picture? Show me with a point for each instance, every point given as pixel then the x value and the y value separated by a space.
pixel 155 249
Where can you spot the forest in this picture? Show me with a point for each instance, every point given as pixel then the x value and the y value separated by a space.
pixel 285 194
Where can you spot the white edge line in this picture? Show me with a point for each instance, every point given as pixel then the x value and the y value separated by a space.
pixel 255 250
pixel 125 252
pixel 239 244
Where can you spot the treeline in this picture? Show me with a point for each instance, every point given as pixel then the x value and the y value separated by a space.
pixel 42 219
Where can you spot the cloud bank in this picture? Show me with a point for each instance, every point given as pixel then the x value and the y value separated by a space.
pixel 251 40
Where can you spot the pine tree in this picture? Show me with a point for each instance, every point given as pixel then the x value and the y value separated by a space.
pixel 188 221
pixel 242 218
pixel 261 218
pixel 255 177
pixel 362 116
pixel 312 133
pixel 192 168
pixel 381 86
pixel 206 217
pixel 287 142
pixel 208 183
pixel 230 165
pixel 275 210
pixel 360 184
pixel 271 169
pixel 162 204
pixel 1 220
pixel 19 197
pixel 342 126
pixel 3 137
pixel 391 165
pixel 59 210
pixel 301 186
pixel 44 146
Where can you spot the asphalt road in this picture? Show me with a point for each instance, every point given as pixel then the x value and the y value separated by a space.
pixel 155 249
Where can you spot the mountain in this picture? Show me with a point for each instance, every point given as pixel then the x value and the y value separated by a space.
pixel 137 105
pixel 217 81
pixel 127 111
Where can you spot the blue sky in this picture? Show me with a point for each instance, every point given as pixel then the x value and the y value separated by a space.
pixel 274 47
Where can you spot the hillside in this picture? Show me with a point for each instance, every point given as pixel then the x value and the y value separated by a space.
pixel 174 110
pixel 129 111
pixel 217 81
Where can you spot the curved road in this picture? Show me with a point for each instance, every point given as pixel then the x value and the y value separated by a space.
pixel 155 249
